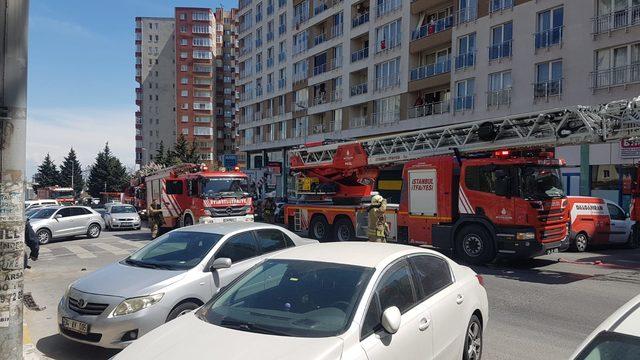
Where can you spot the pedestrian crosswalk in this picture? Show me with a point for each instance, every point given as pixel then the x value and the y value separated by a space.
pixel 89 250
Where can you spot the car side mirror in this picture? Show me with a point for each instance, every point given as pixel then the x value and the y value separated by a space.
pixel 58 216
pixel 220 263
pixel 390 320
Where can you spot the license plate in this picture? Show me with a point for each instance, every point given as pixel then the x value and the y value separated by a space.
pixel 229 220
pixel 126 224
pixel 74 325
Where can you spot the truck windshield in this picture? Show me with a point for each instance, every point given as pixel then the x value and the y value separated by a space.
pixel 224 187
pixel 541 182
pixel 63 194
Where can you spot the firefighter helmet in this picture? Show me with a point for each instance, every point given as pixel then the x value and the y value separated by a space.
pixel 376 200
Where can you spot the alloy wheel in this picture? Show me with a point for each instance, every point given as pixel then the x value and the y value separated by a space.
pixel 474 342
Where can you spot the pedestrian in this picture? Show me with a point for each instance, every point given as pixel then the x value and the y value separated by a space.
pixel 269 210
pixel 31 240
pixel 378 228
pixel 156 220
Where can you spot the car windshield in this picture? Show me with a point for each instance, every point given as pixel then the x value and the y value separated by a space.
pixel 43 213
pixel 177 250
pixel 611 346
pixel 123 209
pixel 30 212
pixel 224 187
pixel 540 182
pixel 291 298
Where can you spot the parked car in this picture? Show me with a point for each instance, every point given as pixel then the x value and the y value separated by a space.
pixel 40 203
pixel 596 221
pixel 60 222
pixel 617 338
pixel 34 209
pixel 121 216
pixel 334 301
pixel 169 277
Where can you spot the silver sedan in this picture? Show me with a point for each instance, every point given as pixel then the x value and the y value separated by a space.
pixel 60 222
pixel 169 277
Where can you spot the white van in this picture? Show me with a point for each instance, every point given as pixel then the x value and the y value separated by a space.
pixel 32 204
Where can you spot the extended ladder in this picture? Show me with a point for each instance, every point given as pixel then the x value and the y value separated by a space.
pixel 567 126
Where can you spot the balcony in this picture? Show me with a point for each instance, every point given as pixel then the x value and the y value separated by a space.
pixel 466 15
pixel 325 98
pixel 360 19
pixel 622 75
pixel 360 55
pixel 269 9
pixel 331 64
pixel 499 5
pixel 247 95
pixel 269 88
pixel 357 122
pixel 270 36
pixel 499 98
pixel 258 17
pixel 202 69
pixel 244 26
pixel 245 50
pixel 464 103
pixel 282 57
pixel 359 89
pixel 299 48
pixel 323 5
pixel 437 108
pixel 243 4
pixel 300 18
pixel 258 42
pixel 269 62
pixel 619 19
pixel 385 83
pixel 334 32
pixel 282 29
pixel 246 72
pixel 547 89
pixel 548 38
pixel 258 67
pixel 464 61
pixel 282 83
pixel 501 50
pixel 282 3
pixel 432 28
pixel 388 6
pixel 386 117
pixel 430 70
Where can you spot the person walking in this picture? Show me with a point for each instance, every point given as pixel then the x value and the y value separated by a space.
pixel 156 220
pixel 31 240
pixel 378 228
pixel 269 210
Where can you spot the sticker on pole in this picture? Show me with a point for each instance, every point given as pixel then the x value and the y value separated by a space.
pixel 423 199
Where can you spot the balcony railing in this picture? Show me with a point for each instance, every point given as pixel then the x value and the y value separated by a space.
pixel 498 98
pixel 247 95
pixel 466 15
pixel 360 54
pixel 258 67
pixel 359 89
pixel 269 9
pixel 243 3
pixel 358 122
pixel 258 42
pixel 499 5
pixel 387 82
pixel 300 18
pixel 269 88
pixel 432 28
pixel 245 50
pixel 332 64
pixel 282 83
pixel 325 98
pixel 620 75
pixel 334 32
pixel 258 17
pixel 429 70
pixel 429 109
pixel 462 103
pixel 388 6
pixel 282 29
pixel 282 57
pixel 618 19
pixel 202 69
pixel 246 72
pixel 548 38
pixel 270 36
pixel 299 48
pixel 244 26
pixel 360 19
pixel 501 50
pixel 464 61
pixel 386 117
pixel 270 62
pixel 547 88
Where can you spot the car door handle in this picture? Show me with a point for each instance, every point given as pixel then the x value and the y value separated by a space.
pixel 459 299
pixel 424 324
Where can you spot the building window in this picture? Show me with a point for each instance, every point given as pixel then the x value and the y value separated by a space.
pixel 184 42
pixel 183 29
pixel 465 95
pixel 184 93
pixel 184 67
pixel 183 16
pixel 388 36
pixel 468 11
pixel 499 92
pixel 616 66
pixel 200 54
pixel 201 41
pixel 184 81
pixel 550 28
pixel 548 79
pixel 466 57
pixel 501 38
pixel 185 106
pixel 185 131
pixel 616 14
pixel 184 118
pixel 387 74
pixel 386 110
pixel 184 55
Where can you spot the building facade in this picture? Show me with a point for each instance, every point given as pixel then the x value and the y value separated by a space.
pixel 155 95
pixel 336 70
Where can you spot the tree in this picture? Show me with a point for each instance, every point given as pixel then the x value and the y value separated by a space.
pixel 159 158
pixel 185 152
pixel 107 174
pixel 71 169
pixel 47 174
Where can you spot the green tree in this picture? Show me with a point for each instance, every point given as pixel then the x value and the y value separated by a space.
pixel 71 169
pixel 47 174
pixel 107 174
pixel 185 152
pixel 159 157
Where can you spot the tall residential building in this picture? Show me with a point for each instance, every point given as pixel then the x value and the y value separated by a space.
pixel 155 95
pixel 313 70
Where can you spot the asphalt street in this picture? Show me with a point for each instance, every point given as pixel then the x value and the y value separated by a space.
pixel 539 309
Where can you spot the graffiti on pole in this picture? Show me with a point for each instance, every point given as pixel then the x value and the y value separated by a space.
pixel 11 247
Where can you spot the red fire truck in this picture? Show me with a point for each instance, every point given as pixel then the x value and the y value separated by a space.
pixel 190 194
pixel 64 195
pixel 501 193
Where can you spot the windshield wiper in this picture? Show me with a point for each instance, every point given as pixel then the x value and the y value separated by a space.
pixel 141 264
pixel 251 327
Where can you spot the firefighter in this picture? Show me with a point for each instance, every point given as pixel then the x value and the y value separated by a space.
pixel 378 228
pixel 156 220
pixel 268 210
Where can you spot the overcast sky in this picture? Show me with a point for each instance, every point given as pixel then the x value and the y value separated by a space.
pixel 81 75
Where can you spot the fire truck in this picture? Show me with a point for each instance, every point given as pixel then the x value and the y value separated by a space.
pixel 190 194
pixel 478 189
pixel 64 195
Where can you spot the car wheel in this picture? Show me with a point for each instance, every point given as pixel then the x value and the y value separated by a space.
pixel 580 242
pixel 44 236
pixel 93 231
pixel 182 309
pixel 473 340
pixel 188 220
pixel 319 228
pixel 475 245
pixel 343 230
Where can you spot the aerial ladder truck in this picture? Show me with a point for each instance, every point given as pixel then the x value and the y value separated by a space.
pixel 478 189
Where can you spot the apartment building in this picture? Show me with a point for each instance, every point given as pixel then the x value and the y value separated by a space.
pixel 350 70
pixel 155 95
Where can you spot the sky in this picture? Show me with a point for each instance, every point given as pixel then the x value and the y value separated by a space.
pixel 81 90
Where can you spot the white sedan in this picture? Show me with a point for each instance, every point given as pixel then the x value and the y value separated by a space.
pixel 334 301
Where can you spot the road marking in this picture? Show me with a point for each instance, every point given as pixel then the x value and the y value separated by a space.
pixel 80 251
pixel 44 251
pixel 112 249
pixel 135 244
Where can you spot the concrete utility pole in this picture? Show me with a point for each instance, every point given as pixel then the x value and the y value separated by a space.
pixel 13 124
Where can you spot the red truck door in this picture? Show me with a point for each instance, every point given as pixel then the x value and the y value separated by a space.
pixel 483 193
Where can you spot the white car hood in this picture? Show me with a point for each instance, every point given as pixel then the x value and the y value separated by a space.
pixel 118 216
pixel 188 337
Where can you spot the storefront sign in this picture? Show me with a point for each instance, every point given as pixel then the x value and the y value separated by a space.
pixel 629 149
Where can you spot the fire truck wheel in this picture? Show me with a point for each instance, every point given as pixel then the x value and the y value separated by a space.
pixel 319 228
pixel 343 230
pixel 188 220
pixel 474 245
pixel 580 242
